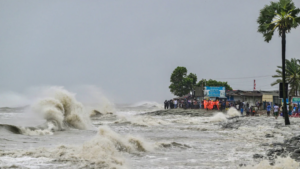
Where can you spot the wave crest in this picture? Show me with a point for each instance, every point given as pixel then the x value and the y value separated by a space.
pixel 64 109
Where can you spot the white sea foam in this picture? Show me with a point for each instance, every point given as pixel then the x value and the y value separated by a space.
pixel 99 152
pixel 103 151
pixel 280 163
pixel 64 109
pixel 219 117
pixel 48 130
pixel 126 143
pixel 142 120
pixel 148 104
pixel 232 112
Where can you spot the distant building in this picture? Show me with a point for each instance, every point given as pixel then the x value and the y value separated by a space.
pixel 253 96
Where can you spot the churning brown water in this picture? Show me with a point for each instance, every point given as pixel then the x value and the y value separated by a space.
pixel 59 132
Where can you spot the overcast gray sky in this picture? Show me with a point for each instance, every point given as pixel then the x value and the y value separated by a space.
pixel 130 48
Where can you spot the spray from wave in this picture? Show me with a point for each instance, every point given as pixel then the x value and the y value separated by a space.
pixel 233 112
pixel 102 151
pixel 58 109
pixel 221 117
pixel 63 110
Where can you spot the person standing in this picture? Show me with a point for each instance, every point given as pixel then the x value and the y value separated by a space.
pixel 186 103
pixel 199 104
pixel 268 110
pixel 247 111
pixel 242 110
pixel 223 105
pixel 290 109
pixel 166 104
pixel 258 105
pixel 276 110
pixel 175 104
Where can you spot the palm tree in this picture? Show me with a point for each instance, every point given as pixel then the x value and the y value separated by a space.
pixel 281 16
pixel 292 76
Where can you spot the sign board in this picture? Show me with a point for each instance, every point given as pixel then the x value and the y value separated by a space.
pixel 214 91
pixel 296 100
pixel 268 98
pixel 281 90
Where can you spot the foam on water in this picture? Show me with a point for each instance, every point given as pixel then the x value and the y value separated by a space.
pixel 24 162
pixel 219 117
pixel 103 151
pixel 280 163
pixel 142 120
pixel 106 107
pixel 178 141
pixel 188 120
pixel 64 109
pixel 45 131
pixel 126 143
pixel 147 104
pixel 232 112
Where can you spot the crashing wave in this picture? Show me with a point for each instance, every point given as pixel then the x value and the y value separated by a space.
pixel 103 151
pixel 63 110
pixel 219 117
pixel 233 112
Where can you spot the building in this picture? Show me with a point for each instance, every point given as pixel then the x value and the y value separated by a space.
pixel 253 96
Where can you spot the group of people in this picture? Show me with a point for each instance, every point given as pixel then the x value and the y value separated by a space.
pixel 293 110
pixel 211 104
pixel 251 110
pixel 171 104
pixel 182 103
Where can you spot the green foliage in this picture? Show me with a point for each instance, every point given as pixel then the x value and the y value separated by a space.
pixel 292 75
pixel 281 16
pixel 211 82
pixel 191 81
pixel 181 84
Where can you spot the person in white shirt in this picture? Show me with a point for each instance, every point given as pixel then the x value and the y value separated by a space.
pixel 276 111
pixel 175 104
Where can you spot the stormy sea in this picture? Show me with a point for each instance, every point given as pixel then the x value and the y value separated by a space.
pixel 58 131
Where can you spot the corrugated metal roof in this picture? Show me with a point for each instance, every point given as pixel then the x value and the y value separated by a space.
pixel 251 93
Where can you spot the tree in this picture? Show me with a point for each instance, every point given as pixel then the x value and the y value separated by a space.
pixel 292 76
pixel 191 81
pixel 211 82
pixel 281 16
pixel 181 84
